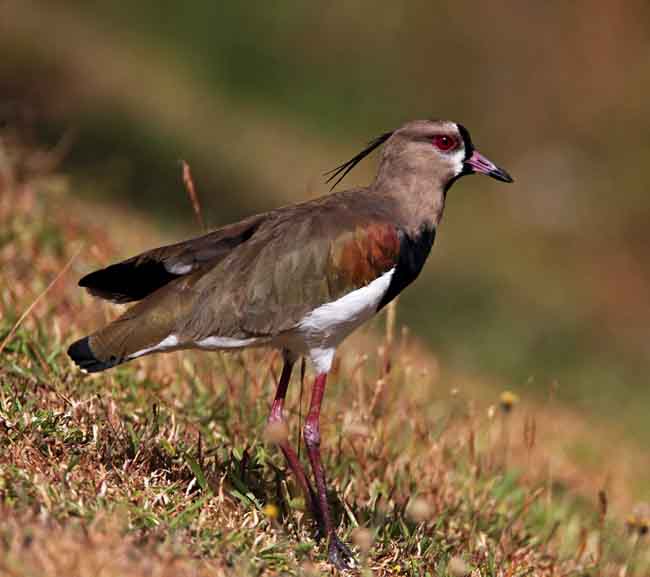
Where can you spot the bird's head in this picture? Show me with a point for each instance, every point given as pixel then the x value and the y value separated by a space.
pixel 437 150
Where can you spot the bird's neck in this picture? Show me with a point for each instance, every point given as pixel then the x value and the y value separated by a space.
pixel 419 196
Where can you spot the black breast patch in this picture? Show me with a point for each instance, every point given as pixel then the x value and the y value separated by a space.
pixel 413 252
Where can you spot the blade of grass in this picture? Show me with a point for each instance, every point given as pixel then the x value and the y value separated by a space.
pixel 37 299
pixel 191 192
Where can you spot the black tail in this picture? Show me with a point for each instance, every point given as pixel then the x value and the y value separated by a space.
pixel 84 358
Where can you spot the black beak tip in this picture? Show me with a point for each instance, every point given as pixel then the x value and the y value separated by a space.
pixel 502 175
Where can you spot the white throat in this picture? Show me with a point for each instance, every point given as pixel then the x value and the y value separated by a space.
pixel 458 160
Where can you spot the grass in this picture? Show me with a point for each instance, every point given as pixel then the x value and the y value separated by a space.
pixel 161 467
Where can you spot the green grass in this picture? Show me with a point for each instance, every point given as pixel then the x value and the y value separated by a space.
pixel 161 466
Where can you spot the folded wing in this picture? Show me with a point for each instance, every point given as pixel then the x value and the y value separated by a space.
pixel 139 276
pixel 296 262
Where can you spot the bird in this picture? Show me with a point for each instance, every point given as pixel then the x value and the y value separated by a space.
pixel 299 279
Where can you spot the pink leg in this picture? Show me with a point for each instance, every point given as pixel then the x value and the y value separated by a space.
pixel 339 554
pixel 296 467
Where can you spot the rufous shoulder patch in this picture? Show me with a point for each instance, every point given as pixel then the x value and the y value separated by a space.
pixel 357 258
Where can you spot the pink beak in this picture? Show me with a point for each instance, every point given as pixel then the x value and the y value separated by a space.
pixel 478 163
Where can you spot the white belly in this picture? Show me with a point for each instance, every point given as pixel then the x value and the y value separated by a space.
pixel 320 332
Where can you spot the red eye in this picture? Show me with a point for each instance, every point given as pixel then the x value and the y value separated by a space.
pixel 444 142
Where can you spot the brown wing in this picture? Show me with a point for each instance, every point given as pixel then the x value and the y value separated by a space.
pixel 141 275
pixel 296 261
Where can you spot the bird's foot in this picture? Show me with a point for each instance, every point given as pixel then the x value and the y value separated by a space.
pixel 339 554
pixel 314 507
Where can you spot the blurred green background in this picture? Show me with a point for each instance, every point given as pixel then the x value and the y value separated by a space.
pixel 544 281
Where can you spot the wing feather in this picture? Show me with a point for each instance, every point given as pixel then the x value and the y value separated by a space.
pixel 139 276
pixel 292 266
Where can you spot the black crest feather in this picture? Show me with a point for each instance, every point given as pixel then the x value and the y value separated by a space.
pixel 342 169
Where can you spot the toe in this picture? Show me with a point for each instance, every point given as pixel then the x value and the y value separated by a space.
pixel 340 555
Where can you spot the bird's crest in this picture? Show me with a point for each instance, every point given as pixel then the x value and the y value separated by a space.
pixel 342 169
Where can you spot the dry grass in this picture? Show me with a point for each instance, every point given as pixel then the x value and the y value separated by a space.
pixel 161 467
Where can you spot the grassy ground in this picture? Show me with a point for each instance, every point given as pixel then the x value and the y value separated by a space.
pixel 161 467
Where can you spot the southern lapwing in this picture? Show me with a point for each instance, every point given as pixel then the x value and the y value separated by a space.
pixel 299 278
